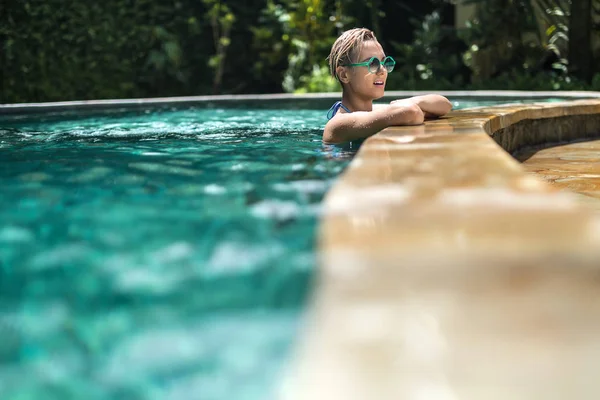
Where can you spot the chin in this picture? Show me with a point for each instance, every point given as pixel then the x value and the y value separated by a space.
pixel 378 93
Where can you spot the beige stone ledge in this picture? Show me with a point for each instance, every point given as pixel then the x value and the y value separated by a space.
pixel 448 272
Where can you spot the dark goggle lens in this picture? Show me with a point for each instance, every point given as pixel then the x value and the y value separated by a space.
pixel 375 63
pixel 389 64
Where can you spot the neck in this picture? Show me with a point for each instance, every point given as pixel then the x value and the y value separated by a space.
pixel 355 103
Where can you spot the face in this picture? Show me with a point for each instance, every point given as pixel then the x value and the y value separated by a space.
pixel 360 80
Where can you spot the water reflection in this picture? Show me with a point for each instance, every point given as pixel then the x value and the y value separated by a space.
pixel 343 152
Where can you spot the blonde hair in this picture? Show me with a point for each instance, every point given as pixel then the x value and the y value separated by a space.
pixel 344 49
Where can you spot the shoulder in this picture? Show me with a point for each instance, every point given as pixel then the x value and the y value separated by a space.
pixel 340 122
pixel 339 119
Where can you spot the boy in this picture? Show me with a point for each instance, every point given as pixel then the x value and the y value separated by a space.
pixel 358 62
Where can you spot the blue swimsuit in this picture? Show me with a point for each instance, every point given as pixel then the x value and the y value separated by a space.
pixel 334 109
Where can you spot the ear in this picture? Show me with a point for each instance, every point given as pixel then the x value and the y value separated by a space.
pixel 342 73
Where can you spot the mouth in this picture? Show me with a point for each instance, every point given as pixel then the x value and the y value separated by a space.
pixel 379 83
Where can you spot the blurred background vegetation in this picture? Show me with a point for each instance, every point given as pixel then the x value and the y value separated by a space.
pixel 75 50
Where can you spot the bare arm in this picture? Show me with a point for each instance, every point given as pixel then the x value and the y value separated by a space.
pixel 433 105
pixel 361 124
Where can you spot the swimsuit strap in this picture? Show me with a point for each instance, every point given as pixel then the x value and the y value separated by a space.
pixel 334 109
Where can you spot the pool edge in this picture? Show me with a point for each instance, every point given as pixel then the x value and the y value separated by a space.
pixel 436 248
pixel 26 108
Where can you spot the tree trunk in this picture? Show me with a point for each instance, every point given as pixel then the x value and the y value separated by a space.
pixel 580 39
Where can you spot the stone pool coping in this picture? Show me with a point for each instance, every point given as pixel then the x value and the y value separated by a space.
pixel 448 272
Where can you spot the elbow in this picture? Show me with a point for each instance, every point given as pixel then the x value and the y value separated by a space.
pixel 414 115
pixel 446 105
pixel 330 136
pixel 443 106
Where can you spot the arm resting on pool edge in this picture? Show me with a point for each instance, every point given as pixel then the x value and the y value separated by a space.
pixel 433 105
pixel 345 127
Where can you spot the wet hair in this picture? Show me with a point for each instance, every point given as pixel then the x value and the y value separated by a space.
pixel 344 49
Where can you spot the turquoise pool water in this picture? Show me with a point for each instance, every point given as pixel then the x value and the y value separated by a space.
pixel 158 254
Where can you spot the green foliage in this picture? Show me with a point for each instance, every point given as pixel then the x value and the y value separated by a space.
pixel 432 60
pixel 270 47
pixel 527 35
pixel 307 27
pixel 526 80
pixel 126 48
pixel 221 21
pixel 318 81
pixel 110 49
pixel 145 48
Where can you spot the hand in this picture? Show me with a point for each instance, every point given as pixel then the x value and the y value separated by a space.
pixel 432 105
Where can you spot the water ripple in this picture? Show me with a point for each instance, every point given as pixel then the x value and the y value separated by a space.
pixel 128 240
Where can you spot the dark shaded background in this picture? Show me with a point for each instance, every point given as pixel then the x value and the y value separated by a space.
pixel 74 50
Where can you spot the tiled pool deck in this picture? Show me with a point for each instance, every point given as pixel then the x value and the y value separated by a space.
pixel 448 271
pixel 573 167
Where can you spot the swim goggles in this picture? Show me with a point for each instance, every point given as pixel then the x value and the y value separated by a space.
pixel 375 63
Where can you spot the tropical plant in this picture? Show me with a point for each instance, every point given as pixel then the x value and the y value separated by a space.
pixel 561 29
pixel 319 80
pixel 147 48
pixel 432 60
pixel 308 29
pixel 221 20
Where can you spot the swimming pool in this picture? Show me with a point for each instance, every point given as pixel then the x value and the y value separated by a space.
pixel 159 253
